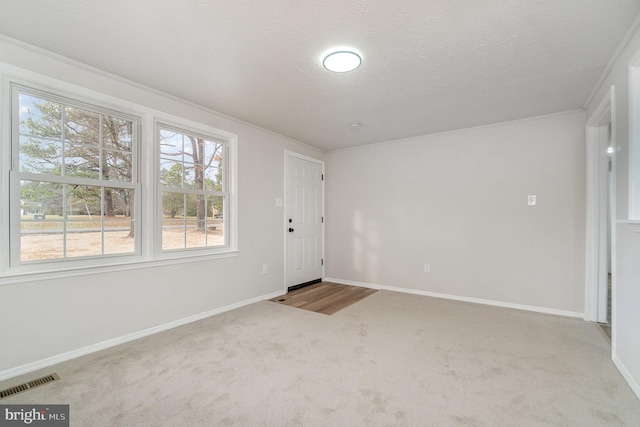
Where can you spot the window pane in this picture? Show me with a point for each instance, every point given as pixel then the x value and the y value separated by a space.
pixel 81 126
pixel 83 238
pixel 196 237
pixel 45 243
pixel 41 198
pixel 117 133
pixel 213 179
pixel 40 155
pixel 81 161
pixel 118 221
pixel 83 203
pixel 173 205
pixel 41 226
pixel 171 173
pixel 171 145
pixel 215 208
pixel 213 162
pixel 117 165
pixel 118 236
pixel 39 117
pixel 173 220
pixel 172 235
pixel 193 176
pixel 213 153
pixel 118 202
pixel 195 206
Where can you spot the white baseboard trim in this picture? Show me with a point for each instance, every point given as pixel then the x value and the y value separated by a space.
pixel 536 309
pixel 49 361
pixel 635 387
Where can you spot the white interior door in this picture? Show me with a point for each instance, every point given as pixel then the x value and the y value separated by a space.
pixel 303 221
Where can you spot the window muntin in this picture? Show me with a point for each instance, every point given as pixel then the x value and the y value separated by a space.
pixel 76 174
pixel 193 187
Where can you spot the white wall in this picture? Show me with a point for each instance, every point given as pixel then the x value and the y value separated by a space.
pixel 42 319
pixel 458 201
pixel 626 285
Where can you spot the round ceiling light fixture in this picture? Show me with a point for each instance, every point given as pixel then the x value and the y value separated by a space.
pixel 341 60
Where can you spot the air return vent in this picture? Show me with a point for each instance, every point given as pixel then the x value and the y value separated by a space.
pixel 26 386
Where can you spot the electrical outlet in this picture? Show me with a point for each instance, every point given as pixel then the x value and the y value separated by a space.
pixel 427 268
pixel 265 269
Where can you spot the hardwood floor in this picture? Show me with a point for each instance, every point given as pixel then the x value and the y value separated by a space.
pixel 324 297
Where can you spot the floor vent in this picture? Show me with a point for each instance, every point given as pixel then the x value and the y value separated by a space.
pixel 26 386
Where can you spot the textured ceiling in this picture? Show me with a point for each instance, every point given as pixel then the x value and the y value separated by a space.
pixel 428 65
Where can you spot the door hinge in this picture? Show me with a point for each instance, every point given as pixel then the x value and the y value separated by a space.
pixel 322 177
pixel 322 219
pixel 322 262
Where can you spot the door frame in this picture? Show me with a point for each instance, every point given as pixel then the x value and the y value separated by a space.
pixel 287 155
pixel 596 272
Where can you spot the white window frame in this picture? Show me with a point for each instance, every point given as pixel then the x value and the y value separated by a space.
pixel 146 217
pixel 229 189
pixel 15 176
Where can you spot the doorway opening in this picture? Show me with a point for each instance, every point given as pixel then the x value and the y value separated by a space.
pixel 606 304
pixel 600 232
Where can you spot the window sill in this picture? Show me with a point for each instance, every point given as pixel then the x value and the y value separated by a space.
pixel 20 277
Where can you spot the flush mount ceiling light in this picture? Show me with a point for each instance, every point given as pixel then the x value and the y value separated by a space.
pixel 341 60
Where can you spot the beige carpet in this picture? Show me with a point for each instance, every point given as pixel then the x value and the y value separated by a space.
pixel 390 359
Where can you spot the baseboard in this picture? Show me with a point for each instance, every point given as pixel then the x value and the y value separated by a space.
pixel 635 387
pixel 49 361
pixel 536 309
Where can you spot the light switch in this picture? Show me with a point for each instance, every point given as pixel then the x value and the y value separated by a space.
pixel 278 202
pixel 531 200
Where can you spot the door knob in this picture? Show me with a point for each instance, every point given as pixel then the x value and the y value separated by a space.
pixel 290 220
pixel 290 230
